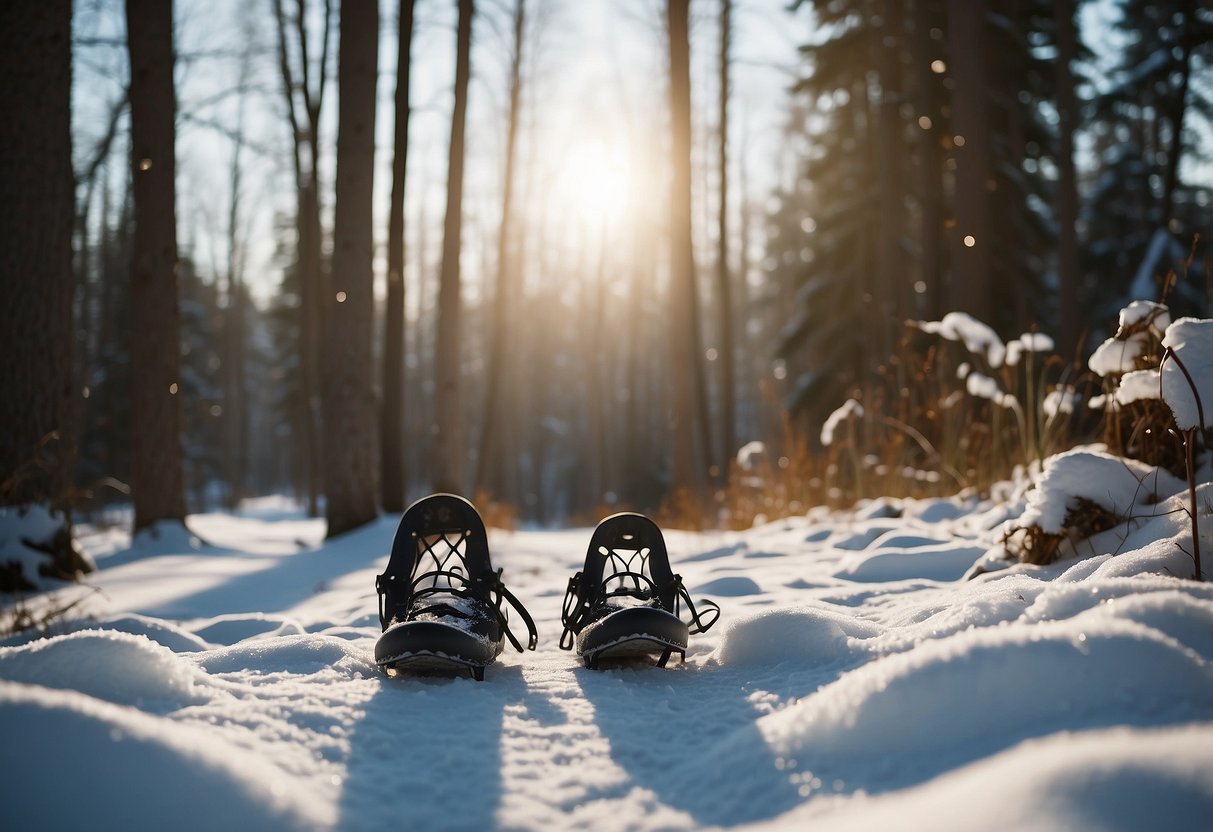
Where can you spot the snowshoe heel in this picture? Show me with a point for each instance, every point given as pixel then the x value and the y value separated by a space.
pixel 440 600
pixel 625 603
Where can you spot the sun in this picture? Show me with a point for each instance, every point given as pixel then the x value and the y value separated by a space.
pixel 596 183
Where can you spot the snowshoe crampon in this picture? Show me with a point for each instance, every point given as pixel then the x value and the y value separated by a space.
pixel 440 601
pixel 625 603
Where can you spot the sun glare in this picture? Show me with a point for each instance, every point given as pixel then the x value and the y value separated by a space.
pixel 596 183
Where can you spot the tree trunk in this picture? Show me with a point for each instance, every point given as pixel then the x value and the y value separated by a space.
pixel 890 284
pixel 157 480
pixel 305 134
pixel 724 291
pixel 391 420
pixel 932 265
pixel 451 452
pixel 37 399
pixel 683 349
pixel 1067 189
pixel 497 423
pixel 1178 108
pixel 351 446
pixel 972 239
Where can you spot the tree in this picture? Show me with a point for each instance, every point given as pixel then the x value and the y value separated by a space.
pixel 497 425
pixel 391 421
pixel 157 482
pixel 683 349
pixel 451 452
pixel 351 460
pixel 36 390
pixel 724 294
pixel 972 233
pixel 304 108
pixel 1067 184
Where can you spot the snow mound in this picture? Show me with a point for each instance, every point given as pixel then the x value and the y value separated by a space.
pixel 302 655
pixel 1192 341
pixel 732 586
pixel 157 629
pixel 230 629
pixel 120 769
pixel 813 635
pixel 117 667
pixel 980 691
pixel 1120 778
pixel 947 562
pixel 1124 487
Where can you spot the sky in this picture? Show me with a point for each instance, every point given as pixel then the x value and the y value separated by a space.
pixel 594 94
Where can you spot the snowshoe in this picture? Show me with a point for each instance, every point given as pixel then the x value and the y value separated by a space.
pixel 440 601
pixel 625 603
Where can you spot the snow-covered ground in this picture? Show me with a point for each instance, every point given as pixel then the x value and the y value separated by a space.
pixel 854 681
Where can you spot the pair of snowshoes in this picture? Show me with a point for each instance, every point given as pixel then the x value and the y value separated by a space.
pixel 441 602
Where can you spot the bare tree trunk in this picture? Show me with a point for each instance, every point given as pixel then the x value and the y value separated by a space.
pixel 351 442
pixel 451 452
pixel 37 396
pixel 305 133
pixel 157 481
pixel 724 292
pixel 391 418
pixel 890 285
pixel 1178 108
pixel 235 404
pixel 972 238
pixel 932 265
pixel 1067 189
pixel 497 424
pixel 684 351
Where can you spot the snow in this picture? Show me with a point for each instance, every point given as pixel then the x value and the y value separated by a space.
pixel 1124 487
pixel 978 338
pixel 1137 385
pixel 854 681
pixel 1191 339
pixel 1029 342
pixel 1060 400
pixel 1156 315
pixel 850 409
pixel 1115 357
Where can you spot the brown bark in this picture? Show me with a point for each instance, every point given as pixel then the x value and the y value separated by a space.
pixel 305 134
pixel 157 481
pixel 496 470
pixel 930 162
pixel 351 439
pixel 391 420
pixel 971 264
pixel 450 451
pixel 724 291
pixel 1067 189
pixel 37 399
pixel 683 349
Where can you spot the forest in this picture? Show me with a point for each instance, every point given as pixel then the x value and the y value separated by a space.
pixel 355 252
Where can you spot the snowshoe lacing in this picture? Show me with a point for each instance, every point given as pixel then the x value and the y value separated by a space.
pixel 582 609
pixel 447 583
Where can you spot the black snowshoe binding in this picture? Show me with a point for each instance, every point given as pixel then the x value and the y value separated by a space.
pixel 440 599
pixel 625 603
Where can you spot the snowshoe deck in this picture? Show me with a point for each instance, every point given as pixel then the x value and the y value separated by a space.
pixel 440 600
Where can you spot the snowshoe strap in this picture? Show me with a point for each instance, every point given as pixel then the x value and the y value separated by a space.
pixel 574 612
pixel 697 623
pixel 504 594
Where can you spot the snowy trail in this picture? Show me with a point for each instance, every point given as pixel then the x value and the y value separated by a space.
pixel 853 681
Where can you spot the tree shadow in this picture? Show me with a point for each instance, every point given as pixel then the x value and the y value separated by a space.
pixel 427 753
pixel 689 735
pixel 277 582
